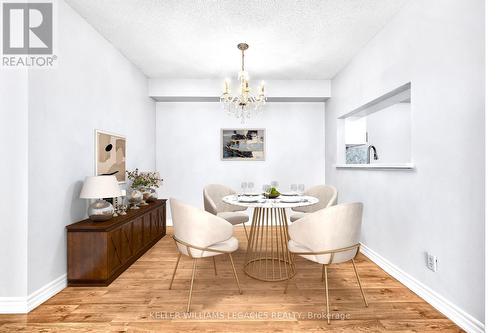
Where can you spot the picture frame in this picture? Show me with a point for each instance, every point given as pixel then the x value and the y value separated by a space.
pixel 110 154
pixel 243 144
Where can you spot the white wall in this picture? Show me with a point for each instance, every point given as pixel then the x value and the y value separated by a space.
pixel 439 207
pixel 93 87
pixel 14 180
pixel 389 130
pixel 188 147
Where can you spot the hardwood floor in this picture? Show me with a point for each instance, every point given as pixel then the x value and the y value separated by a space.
pixel 140 301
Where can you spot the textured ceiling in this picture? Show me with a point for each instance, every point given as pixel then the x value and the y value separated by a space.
pixel 301 39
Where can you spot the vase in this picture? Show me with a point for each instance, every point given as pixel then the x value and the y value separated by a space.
pixel 145 196
pixel 135 199
pixel 100 210
pixel 150 194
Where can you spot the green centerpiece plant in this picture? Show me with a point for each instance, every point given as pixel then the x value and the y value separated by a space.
pixel 273 193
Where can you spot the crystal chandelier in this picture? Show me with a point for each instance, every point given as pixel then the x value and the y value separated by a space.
pixel 244 104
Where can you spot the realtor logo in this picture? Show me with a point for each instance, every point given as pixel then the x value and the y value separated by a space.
pixel 27 28
pixel 28 34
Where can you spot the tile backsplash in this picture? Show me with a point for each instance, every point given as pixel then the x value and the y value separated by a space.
pixel 356 154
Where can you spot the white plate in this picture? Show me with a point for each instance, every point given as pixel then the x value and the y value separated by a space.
pixel 291 200
pixel 251 194
pixel 290 194
pixel 248 199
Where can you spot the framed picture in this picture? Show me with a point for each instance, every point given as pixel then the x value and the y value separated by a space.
pixel 243 144
pixel 110 155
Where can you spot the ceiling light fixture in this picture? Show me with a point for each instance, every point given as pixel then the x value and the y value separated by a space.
pixel 244 104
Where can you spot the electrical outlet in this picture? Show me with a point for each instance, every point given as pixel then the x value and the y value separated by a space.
pixel 432 262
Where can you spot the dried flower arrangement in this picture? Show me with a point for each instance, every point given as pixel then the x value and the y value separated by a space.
pixel 144 179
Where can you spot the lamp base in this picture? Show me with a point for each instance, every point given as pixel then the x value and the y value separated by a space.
pixel 100 210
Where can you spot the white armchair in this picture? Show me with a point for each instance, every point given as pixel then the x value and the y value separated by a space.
pixel 199 234
pixel 328 236
pixel 327 196
pixel 212 199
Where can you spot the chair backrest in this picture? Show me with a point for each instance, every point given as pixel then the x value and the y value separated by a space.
pixel 197 227
pixel 212 199
pixel 326 194
pixel 330 228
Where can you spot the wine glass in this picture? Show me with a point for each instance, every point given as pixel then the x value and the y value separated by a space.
pixel 243 187
pixel 266 188
pixel 301 189
pixel 293 188
pixel 250 187
pixel 274 184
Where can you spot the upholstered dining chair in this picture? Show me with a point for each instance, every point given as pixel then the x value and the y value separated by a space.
pixel 198 235
pixel 327 196
pixel 329 236
pixel 212 199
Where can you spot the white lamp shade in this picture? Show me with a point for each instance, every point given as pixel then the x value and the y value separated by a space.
pixel 97 187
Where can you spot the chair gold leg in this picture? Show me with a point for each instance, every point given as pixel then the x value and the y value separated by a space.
pixel 246 233
pixel 325 273
pixel 191 288
pixel 322 275
pixel 359 282
pixel 215 266
pixel 235 275
pixel 175 270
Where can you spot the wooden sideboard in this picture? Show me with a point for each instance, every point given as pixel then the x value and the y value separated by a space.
pixel 98 252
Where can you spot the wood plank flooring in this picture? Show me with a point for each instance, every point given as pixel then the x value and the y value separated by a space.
pixel 140 301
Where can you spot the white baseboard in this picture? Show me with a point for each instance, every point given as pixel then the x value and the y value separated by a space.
pixel 10 305
pixel 44 293
pixel 26 304
pixel 450 310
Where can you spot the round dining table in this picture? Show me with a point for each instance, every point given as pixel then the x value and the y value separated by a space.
pixel 268 258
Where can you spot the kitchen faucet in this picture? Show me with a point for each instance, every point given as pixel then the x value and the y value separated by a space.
pixel 375 155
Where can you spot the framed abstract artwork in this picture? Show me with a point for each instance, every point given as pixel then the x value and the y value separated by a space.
pixel 243 144
pixel 110 154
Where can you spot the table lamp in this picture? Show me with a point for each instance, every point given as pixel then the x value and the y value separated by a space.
pixel 99 187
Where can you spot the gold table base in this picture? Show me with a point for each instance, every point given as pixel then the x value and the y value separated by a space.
pixel 268 258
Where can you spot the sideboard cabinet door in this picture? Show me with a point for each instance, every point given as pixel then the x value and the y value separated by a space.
pixel 146 233
pixel 137 235
pixel 114 251
pixel 126 238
